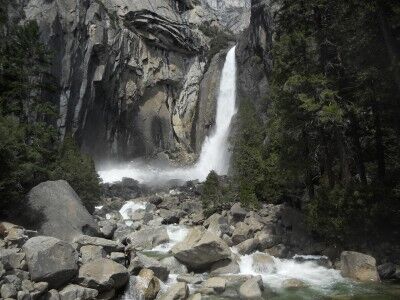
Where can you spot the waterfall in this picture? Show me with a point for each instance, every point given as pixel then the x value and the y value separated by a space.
pixel 215 154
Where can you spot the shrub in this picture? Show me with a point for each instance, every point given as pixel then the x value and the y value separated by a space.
pixel 79 170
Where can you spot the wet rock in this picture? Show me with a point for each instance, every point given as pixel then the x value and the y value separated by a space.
pixel 52 295
pixel 51 260
pixel 322 261
pixel 170 216
pixel 12 258
pixel 107 295
pixel 147 284
pixel 251 289
pixel 118 257
pixel 2 270
pixel 263 263
pixel 91 252
pixel 148 238
pixel 73 292
pixel 218 225
pixel 23 295
pixel 214 285
pixel 64 215
pixel 294 284
pixel 200 249
pixel 266 240
pixel 248 246
pixel 237 212
pixel 8 290
pixel 387 270
pixel 173 265
pixel 358 266
pixel 190 279
pixel 107 228
pixel 142 261
pixel 178 291
pixel 241 233
pixel 108 245
pixel 103 274
pixel 226 266
pixel 279 251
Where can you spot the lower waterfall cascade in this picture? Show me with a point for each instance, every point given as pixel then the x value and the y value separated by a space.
pixel 215 154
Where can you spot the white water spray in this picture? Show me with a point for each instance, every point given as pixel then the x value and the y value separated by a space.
pixel 215 153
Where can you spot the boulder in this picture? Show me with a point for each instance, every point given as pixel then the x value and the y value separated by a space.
pixel 108 245
pixel 190 279
pixel 103 274
pixel 51 260
pixel 178 291
pixel 251 289
pixel 148 238
pixel 173 265
pixel 90 252
pixel 107 228
pixel 266 240
pixel 143 261
pixel 170 216
pixel 237 212
pixel 294 284
pixel 217 224
pixel 241 233
pixel 263 263
pixel 147 285
pixel 358 266
pixel 8 290
pixel 52 295
pixel 73 292
pixel 118 257
pixel 200 249
pixel 387 271
pixel 225 266
pixel 248 246
pixel 279 251
pixel 64 215
pixel 12 258
pixel 216 285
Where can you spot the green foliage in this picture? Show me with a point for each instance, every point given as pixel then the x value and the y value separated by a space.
pixel 79 170
pixel 215 196
pixel 29 143
pixel 248 159
pixel 332 120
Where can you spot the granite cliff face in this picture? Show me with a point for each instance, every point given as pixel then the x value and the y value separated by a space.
pixel 254 54
pixel 135 78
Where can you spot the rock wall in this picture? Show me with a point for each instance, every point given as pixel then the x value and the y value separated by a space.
pixel 234 15
pixel 129 73
pixel 254 54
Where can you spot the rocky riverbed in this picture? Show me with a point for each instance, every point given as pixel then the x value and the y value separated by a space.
pixel 143 243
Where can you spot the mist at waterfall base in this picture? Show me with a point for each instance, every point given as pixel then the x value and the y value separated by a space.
pixel 215 154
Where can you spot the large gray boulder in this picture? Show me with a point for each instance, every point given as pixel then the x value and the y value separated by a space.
pixel 178 291
pixel 51 260
pixel 251 289
pixel 103 274
pixel 148 238
pixel 200 249
pixel 358 266
pixel 64 215
pixel 73 292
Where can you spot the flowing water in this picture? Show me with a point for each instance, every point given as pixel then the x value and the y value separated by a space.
pixel 215 153
pixel 320 282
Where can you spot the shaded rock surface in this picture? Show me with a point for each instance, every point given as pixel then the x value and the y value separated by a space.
pixel 64 216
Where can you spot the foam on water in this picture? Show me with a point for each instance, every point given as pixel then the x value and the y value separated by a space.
pixel 130 207
pixel 215 154
pixel 309 272
pixel 176 233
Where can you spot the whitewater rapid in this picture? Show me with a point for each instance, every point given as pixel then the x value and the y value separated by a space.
pixel 215 154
